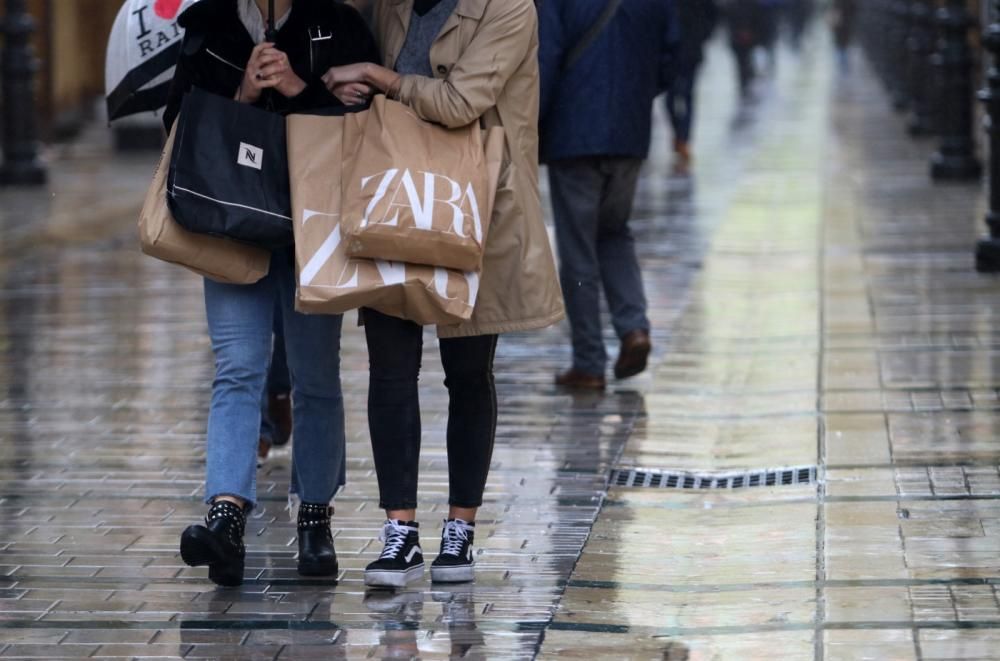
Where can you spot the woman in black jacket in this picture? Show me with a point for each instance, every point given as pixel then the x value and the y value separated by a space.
pixel 225 52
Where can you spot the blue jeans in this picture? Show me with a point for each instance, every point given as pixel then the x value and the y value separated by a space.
pixel 591 202
pixel 240 323
pixel 279 382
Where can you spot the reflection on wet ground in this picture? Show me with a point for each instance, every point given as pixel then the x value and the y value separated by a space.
pixel 814 305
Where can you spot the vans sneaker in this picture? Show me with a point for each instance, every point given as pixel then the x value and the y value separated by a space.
pixel 402 560
pixel 454 564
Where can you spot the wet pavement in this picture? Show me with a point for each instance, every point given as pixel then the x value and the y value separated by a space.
pixel 814 307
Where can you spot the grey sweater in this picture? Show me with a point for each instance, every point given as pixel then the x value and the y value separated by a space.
pixel 415 57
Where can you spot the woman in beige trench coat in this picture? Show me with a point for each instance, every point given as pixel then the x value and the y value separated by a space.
pixel 456 62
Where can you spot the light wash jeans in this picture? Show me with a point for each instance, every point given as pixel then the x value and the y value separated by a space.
pixel 278 380
pixel 240 323
pixel 591 203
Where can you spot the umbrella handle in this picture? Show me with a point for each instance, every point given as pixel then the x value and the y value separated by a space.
pixel 272 32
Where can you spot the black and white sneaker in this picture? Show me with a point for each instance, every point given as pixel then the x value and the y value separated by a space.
pixel 402 560
pixel 454 564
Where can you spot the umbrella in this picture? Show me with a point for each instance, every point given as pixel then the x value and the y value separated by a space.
pixel 272 33
pixel 142 52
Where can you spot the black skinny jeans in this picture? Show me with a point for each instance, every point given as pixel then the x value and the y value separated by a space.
pixel 395 348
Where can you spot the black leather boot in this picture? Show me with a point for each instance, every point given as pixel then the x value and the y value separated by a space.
pixel 218 544
pixel 316 554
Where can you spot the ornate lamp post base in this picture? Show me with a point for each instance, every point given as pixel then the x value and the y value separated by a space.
pixel 957 166
pixel 988 249
pixel 21 165
pixel 956 159
pixel 988 256
pixel 24 174
pixel 920 73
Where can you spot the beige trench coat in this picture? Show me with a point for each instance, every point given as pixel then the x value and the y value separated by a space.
pixel 485 63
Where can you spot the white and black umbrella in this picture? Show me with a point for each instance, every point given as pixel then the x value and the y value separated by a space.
pixel 142 51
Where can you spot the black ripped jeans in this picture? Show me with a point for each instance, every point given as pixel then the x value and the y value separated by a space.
pixel 395 348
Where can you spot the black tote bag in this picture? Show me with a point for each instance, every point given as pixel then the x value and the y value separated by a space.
pixel 229 171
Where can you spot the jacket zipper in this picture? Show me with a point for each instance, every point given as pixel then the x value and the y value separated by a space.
pixel 224 60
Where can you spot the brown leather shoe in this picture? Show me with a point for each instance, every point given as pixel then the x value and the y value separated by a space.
pixel 633 354
pixel 574 378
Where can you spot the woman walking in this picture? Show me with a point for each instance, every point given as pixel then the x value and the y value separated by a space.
pixel 697 20
pixel 842 19
pixel 456 63
pixel 225 52
pixel 745 21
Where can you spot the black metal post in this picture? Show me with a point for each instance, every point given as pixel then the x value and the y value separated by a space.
pixel 21 165
pixel 988 250
pixel 901 58
pixel 920 74
pixel 955 159
pixel 880 40
pixel 884 44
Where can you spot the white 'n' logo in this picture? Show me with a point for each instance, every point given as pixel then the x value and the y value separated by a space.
pixel 250 156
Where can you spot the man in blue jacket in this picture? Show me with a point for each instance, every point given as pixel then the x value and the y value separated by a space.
pixel 603 62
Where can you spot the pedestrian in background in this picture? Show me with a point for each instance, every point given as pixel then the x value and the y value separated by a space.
pixel 745 22
pixel 224 52
pixel 457 63
pixel 602 68
pixel 842 19
pixel 770 13
pixel 798 13
pixel 696 20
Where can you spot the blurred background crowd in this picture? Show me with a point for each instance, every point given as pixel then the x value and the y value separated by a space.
pixel 69 39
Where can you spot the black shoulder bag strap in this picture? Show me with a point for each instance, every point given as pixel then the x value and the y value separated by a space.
pixel 591 35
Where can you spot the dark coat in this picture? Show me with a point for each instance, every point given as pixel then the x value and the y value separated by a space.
pixel 697 20
pixel 602 105
pixel 217 47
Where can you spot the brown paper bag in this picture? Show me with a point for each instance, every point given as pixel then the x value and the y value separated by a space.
pixel 331 282
pixel 219 259
pixel 416 192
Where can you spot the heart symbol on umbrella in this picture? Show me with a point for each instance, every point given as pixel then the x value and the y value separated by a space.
pixel 167 9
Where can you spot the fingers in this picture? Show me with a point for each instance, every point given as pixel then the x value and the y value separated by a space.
pixel 330 79
pixel 341 75
pixel 257 51
pixel 265 60
pixel 272 70
pixel 358 91
pixel 266 55
pixel 352 94
pixel 273 53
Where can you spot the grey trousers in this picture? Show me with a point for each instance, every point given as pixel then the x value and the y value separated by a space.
pixel 592 201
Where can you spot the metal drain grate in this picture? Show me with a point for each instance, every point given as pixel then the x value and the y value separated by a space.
pixel 665 479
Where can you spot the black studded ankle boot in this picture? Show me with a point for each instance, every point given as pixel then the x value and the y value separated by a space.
pixel 316 554
pixel 218 543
